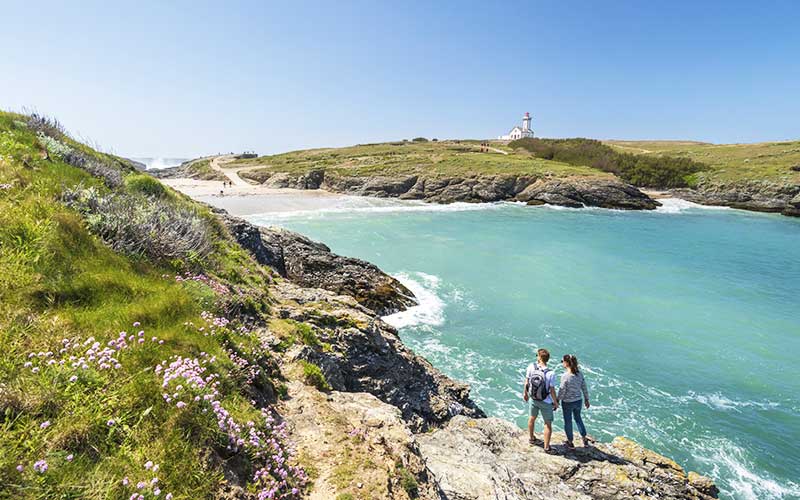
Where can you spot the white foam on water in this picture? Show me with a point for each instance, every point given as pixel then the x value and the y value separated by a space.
pixel 677 205
pixel 726 459
pixel 718 401
pixel 430 310
pixel 347 204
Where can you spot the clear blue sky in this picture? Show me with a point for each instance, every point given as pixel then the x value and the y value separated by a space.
pixel 188 78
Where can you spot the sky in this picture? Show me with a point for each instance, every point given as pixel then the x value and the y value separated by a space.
pixel 192 78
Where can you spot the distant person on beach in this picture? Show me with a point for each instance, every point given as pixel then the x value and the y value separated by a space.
pixel 539 389
pixel 573 385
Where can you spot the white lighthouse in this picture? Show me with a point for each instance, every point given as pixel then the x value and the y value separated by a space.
pixel 519 132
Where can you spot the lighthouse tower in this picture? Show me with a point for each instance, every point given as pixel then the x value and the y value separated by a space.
pixel 519 132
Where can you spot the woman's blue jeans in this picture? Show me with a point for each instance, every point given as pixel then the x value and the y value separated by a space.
pixel 572 410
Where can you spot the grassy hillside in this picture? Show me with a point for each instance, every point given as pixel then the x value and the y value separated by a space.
pixel 661 171
pixel 771 161
pixel 120 373
pixel 445 159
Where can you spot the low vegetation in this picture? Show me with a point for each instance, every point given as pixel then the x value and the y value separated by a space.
pixel 646 171
pixel 763 161
pixel 122 375
pixel 312 374
pixel 432 159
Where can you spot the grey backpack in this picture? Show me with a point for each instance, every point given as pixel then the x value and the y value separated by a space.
pixel 537 384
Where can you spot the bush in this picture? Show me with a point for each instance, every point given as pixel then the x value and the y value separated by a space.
pixel 640 170
pixel 314 376
pixel 419 139
pixel 408 483
pixel 143 226
pixel 307 335
pixel 146 185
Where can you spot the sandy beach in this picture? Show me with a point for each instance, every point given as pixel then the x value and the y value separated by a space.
pixel 255 199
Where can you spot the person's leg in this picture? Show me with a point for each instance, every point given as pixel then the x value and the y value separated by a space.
pixel 566 408
pixel 578 420
pixel 547 415
pixel 548 431
pixel 531 422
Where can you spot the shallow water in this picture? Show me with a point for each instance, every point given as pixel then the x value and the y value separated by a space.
pixel 685 320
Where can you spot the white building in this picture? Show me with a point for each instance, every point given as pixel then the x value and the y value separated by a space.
pixel 519 132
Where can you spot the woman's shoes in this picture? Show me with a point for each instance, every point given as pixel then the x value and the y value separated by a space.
pixel 586 442
pixel 569 445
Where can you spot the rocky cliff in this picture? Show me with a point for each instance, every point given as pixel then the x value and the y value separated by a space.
pixel 606 192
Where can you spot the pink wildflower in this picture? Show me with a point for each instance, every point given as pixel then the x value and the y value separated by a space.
pixel 45 424
pixel 70 457
pixel 110 422
pixel 20 468
pixel 148 465
pixel 125 481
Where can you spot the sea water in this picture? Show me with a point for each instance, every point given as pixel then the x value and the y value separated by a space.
pixel 686 320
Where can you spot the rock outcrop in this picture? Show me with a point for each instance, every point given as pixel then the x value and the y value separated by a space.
pixel 357 445
pixel 759 196
pixel 489 458
pixel 312 264
pixel 603 191
pixel 364 354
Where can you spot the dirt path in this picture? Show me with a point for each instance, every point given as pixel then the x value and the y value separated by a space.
pixel 231 174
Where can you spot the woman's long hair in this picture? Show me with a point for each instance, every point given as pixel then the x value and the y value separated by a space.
pixel 572 363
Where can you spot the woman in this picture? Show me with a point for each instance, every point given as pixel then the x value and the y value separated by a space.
pixel 569 395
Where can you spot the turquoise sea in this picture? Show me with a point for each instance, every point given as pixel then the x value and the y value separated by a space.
pixel 686 320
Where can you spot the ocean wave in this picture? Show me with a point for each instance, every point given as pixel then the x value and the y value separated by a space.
pixel 347 204
pixel 430 310
pixel 677 205
pixel 719 402
pixel 730 465
pixel 160 163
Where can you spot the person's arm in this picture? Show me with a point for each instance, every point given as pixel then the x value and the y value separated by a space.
pixel 553 392
pixel 562 388
pixel 525 390
pixel 585 391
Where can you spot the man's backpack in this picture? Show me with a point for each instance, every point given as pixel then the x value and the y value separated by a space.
pixel 537 384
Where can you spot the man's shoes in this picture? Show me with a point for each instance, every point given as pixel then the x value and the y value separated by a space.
pixel 569 445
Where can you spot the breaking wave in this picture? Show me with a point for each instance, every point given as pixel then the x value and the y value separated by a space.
pixel 430 310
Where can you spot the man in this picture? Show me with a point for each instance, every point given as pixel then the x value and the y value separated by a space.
pixel 540 389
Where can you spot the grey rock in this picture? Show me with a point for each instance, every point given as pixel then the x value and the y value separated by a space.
pixel 576 193
pixel 312 264
pixel 366 355
pixel 490 458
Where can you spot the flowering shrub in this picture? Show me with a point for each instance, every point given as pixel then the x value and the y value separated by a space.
pixel 202 278
pixel 139 225
pixel 187 383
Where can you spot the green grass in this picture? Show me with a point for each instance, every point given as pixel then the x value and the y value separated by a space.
pixel 313 375
pixel 431 159
pixel 767 161
pixel 58 281
pixel 201 169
